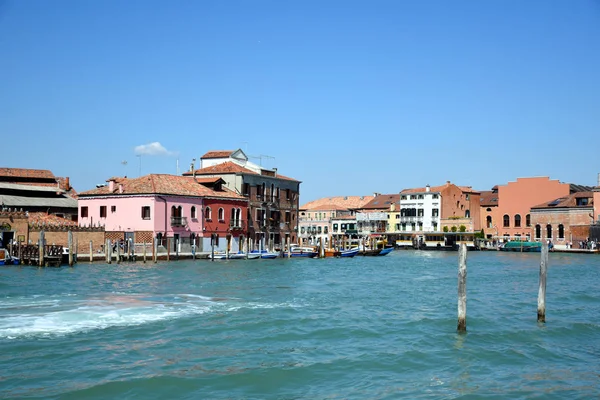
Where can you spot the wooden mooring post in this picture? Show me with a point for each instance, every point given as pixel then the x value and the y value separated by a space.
pixel 107 251
pixel 541 311
pixel 168 249
pixel 41 249
pixel 462 288
pixel 154 250
pixel 70 241
pixel 91 251
pixel 144 252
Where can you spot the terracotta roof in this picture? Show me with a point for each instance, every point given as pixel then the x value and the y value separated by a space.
pixel 161 184
pixel 217 154
pixel 344 202
pixel 229 167
pixel 41 218
pixel 382 201
pixel 466 189
pixel 26 173
pixel 488 198
pixel 568 201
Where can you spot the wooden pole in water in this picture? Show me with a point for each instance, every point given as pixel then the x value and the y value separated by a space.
pixel 106 247
pixel 154 250
pixel 76 249
pixel 177 249
pixel 70 241
pixel 289 247
pixel 541 313
pixel 462 288
pixel 118 252
pixel 168 249
pixel 109 251
pixel 212 246
pixel 144 252
pixel 91 251
pixel 41 249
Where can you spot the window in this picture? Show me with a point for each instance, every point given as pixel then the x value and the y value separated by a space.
pixel 467 213
pixel 84 212
pixel 146 212
pixel 561 231
pixel 272 192
pixel 403 197
pixel 113 209
pixel 435 196
pixel 538 232
pixel 246 189
pixel 207 214
pixel 420 197
pixel 193 212
pixel 413 196
pixel 263 191
pixel 435 212
pixel 420 212
pixel 319 230
pixel 102 211
pixel 435 226
pixel 277 193
pixel 549 231
pixel 335 227
pixel 488 221
pixel 221 214
pixel 288 217
pixel 506 221
pixel 528 220
pixel 288 195
pixel 467 196
pixel 517 221
pixel 302 230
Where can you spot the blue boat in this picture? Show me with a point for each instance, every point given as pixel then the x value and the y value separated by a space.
pixel 385 251
pixel 7 259
pixel 349 253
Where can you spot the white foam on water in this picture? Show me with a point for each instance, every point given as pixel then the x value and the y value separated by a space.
pixel 59 315
pixel 43 317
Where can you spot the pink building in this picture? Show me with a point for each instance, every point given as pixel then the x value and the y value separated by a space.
pixel 160 206
pixel 512 218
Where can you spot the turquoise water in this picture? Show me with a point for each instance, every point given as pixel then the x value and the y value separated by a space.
pixel 361 328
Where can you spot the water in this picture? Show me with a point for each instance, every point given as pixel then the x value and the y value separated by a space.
pixel 361 328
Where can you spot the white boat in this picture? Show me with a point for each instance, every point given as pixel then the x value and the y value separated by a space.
pixel 264 254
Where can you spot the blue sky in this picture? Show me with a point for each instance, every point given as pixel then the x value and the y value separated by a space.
pixel 350 97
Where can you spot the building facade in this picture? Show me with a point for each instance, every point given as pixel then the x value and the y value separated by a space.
pixel 273 199
pixel 175 211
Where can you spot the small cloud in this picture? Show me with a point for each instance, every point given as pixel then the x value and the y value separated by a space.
pixel 153 149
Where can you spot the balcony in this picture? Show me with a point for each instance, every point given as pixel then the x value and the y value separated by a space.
pixel 178 221
pixel 237 225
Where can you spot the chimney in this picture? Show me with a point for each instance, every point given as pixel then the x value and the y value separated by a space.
pixel 375 194
pixel 67 184
pixel 599 179
pixel 120 188
pixel 427 188
pixel 111 185
pixel 275 169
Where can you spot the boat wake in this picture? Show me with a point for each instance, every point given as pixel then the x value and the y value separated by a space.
pixel 59 315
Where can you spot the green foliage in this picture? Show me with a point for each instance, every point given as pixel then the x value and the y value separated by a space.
pixel 445 229
pixel 453 229
pixel 480 235
pixel 462 228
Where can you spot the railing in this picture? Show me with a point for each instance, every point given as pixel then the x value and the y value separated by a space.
pixel 237 224
pixel 178 221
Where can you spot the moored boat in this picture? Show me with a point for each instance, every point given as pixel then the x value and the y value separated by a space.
pixel 7 259
pixel 385 251
pixel 264 254
pixel 522 246
pixel 349 253
pixel 303 251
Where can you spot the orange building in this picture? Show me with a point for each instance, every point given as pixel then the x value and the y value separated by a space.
pixel 512 217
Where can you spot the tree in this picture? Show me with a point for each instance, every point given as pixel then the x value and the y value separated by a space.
pixel 445 229
pixel 462 228
pixel 453 229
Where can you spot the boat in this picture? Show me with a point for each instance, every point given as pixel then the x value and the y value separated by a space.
pixel 349 253
pixel 385 251
pixel 522 246
pixel 303 251
pixel 7 259
pixel 332 253
pixel 218 255
pixel 264 254
pixel 240 255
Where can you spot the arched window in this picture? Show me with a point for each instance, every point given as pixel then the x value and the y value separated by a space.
pixel 207 214
pixel 221 214
pixel 179 212
pixel 326 230
pixel 488 221
pixel 272 192
pixel 549 231
pixel 302 230
pixel 319 230
pixel 193 212
pixel 263 191
pixel 173 211
pixel 506 221
pixel 528 220
pixel 517 221
pixel 538 232
pixel 561 231
pixel 468 214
